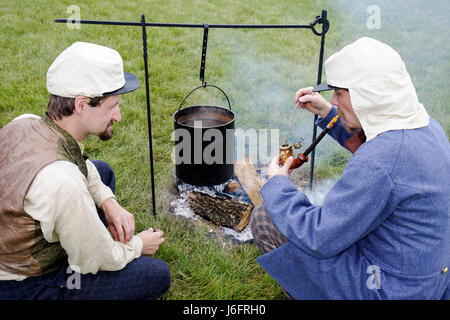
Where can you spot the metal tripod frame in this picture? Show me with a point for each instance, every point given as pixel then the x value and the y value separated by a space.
pixel 322 20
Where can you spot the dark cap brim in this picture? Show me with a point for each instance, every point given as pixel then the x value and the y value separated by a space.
pixel 131 84
pixel 324 87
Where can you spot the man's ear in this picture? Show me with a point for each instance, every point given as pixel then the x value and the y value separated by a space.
pixel 80 103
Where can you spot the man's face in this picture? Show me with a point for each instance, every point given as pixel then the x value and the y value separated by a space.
pixel 349 120
pixel 100 119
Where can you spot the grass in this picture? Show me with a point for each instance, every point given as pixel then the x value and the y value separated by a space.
pixel 260 70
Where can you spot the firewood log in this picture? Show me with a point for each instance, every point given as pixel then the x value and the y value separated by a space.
pixel 250 180
pixel 221 210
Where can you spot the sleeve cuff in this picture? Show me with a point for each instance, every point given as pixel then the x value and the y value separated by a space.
pixel 322 122
pixel 106 196
pixel 137 245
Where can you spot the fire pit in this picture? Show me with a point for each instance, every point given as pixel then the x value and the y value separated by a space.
pixel 225 208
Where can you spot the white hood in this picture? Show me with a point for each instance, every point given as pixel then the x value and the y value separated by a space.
pixel 381 91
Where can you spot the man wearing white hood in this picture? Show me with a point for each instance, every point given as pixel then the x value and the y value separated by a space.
pixel 383 229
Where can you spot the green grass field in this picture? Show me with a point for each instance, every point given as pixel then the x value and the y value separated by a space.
pixel 260 70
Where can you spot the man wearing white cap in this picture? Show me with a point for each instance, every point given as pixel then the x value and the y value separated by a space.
pixel 382 231
pixel 56 206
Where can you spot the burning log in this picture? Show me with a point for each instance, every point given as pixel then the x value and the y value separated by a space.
pixel 221 210
pixel 250 180
pixel 233 187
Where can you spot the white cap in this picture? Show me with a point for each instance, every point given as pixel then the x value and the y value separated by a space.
pixel 381 91
pixel 87 69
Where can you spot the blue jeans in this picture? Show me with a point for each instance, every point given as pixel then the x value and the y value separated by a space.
pixel 142 278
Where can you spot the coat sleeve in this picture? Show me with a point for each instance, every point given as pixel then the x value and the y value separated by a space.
pixel 361 200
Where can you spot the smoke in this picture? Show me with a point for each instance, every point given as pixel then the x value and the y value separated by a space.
pixel 262 83
pixel 416 29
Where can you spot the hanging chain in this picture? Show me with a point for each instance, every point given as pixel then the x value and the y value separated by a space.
pixel 290 124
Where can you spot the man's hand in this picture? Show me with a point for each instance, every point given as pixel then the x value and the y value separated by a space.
pixel 120 222
pixel 312 101
pixel 274 167
pixel 151 240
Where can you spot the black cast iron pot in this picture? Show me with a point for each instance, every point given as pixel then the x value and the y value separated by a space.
pixel 204 143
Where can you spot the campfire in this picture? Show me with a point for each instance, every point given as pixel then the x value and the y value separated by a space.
pixel 223 208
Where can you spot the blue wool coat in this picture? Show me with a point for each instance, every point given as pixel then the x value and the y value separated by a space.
pixel 382 231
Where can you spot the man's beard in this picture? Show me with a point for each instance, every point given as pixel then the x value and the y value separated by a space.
pixel 108 133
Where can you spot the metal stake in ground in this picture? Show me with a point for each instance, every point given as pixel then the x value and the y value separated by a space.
pixel 149 115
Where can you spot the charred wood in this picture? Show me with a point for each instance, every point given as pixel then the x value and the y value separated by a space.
pixel 221 210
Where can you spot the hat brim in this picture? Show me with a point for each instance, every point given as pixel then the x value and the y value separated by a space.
pixel 131 84
pixel 324 87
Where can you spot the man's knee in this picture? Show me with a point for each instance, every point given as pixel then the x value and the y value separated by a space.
pixel 165 276
pixel 106 173
pixel 264 231
pixel 256 217
pixel 156 277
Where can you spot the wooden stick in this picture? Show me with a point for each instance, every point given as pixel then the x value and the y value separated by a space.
pixel 249 179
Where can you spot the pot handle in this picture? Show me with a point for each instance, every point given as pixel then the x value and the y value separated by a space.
pixel 203 86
